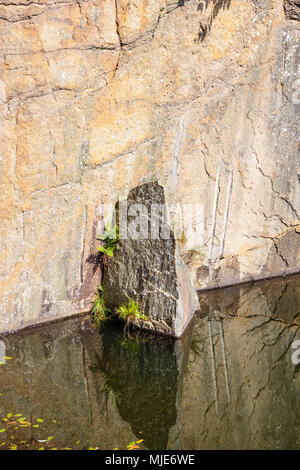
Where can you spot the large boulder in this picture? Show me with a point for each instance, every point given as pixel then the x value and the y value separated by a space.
pixel 147 265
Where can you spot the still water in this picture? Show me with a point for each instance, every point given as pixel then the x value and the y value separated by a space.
pixel 230 383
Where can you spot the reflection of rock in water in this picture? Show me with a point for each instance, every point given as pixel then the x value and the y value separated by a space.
pixel 235 387
pixel 56 374
pixel 143 377
pixel 241 380
pixel 277 298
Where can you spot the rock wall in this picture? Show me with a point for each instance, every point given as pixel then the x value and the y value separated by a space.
pixel 99 96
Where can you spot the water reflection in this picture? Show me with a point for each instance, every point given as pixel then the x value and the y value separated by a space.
pixel 230 382
pixel 102 390
pixel 143 376
pixel 246 389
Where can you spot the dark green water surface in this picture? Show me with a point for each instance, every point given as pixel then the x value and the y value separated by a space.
pixel 230 383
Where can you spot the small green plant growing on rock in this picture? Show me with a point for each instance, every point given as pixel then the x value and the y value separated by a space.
pixel 99 311
pixel 130 312
pixel 110 237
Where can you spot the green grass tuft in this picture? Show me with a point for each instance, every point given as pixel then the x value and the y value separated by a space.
pixel 99 311
pixel 130 311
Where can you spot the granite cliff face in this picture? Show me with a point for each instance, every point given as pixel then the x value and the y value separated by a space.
pixel 100 96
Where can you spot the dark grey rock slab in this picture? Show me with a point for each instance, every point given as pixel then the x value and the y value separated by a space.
pixel 292 9
pixel 147 265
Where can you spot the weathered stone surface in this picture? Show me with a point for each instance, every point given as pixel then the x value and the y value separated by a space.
pixel 147 266
pixel 283 258
pixel 98 97
pixel 292 9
